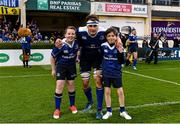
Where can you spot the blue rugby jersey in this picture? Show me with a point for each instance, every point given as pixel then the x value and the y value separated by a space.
pixel 90 46
pixel 66 55
pixel 110 65
pixel 25 42
pixel 133 38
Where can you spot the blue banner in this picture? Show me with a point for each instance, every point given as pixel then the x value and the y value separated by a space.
pixel 9 3
pixel 163 53
pixel 169 54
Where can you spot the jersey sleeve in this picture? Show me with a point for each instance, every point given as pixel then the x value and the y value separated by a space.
pixel 56 52
pixel 28 39
pixel 101 52
pixel 120 57
pixel 130 38
pixel 78 37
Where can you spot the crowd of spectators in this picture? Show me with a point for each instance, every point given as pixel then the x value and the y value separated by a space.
pixel 9 29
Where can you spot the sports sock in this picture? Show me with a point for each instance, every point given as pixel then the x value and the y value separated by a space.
pixel 72 98
pixel 58 98
pixel 121 109
pixel 99 96
pixel 88 94
pixel 134 62
pixel 109 109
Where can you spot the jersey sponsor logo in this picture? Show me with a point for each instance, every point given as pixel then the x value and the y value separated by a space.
pixel 23 40
pixel 3 57
pixel 58 74
pixel 68 57
pixel 73 75
pixel 84 37
pixel 93 46
pixel 105 50
pixel 65 51
pixel 36 57
pixel 109 58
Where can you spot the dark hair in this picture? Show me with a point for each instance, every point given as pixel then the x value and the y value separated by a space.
pixel 111 29
pixel 69 27
pixel 133 29
pixel 92 17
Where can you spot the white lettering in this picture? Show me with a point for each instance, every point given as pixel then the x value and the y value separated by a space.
pixel 167 29
pixel 2 58
pixel 13 3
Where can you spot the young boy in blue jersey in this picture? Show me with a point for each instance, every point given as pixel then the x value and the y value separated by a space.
pixel 132 48
pixel 63 62
pixel 111 70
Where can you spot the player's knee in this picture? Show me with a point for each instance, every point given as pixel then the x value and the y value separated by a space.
pixel 97 73
pixel 107 92
pixel 59 85
pixel 85 85
pixel 120 92
pixel 99 84
pixel 85 75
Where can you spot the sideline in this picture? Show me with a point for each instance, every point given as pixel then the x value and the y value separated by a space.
pixel 154 78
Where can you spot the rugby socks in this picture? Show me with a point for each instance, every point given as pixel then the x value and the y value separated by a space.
pixel 58 98
pixel 99 96
pixel 134 62
pixel 109 109
pixel 72 98
pixel 122 109
pixel 88 94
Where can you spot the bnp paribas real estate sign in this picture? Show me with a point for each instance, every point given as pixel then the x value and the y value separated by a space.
pixel 64 5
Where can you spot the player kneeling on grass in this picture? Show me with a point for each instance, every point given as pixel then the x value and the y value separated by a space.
pixel 63 62
pixel 112 75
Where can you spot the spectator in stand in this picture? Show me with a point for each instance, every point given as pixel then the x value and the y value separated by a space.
pixel 154 43
pixel 176 42
pixel 46 39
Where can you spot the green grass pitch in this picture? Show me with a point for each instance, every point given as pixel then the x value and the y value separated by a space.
pixel 152 95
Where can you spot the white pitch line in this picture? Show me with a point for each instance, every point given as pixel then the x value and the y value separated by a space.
pixel 139 106
pixel 147 69
pixel 154 78
pixel 15 76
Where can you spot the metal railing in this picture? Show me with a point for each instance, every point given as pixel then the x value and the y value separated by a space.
pixel 123 1
pixel 167 2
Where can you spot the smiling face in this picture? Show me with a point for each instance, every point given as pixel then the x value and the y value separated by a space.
pixel 92 29
pixel 111 35
pixel 111 38
pixel 70 35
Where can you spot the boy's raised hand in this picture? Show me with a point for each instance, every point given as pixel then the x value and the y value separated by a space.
pixel 58 43
pixel 119 45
